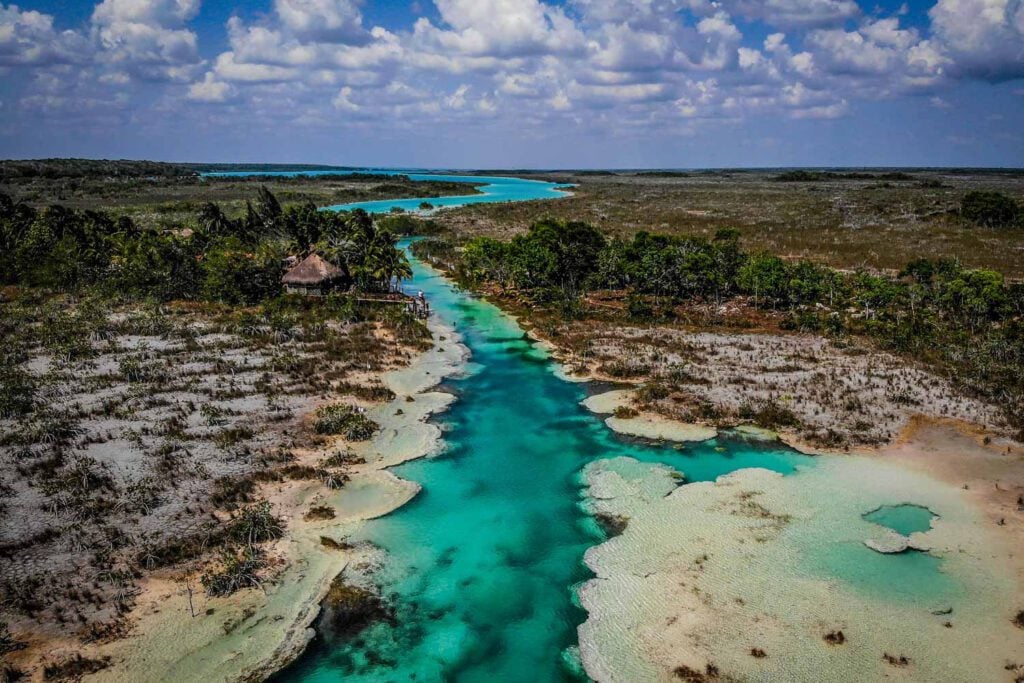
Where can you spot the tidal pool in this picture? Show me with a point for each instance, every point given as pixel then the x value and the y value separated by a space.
pixel 904 519
pixel 492 188
pixel 481 566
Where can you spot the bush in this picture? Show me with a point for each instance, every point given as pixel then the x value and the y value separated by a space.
pixel 180 548
pixel 235 274
pixel 227 491
pixel 346 421
pixel 239 570
pixel 769 415
pixel 255 524
pixel 638 308
pixel 8 643
pixel 991 209
pixel 17 392
pixel 653 391
pixel 625 412
pixel 625 370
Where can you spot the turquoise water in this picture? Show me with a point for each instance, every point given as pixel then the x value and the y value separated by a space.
pixel 482 564
pixel 904 519
pixel 909 577
pixel 493 188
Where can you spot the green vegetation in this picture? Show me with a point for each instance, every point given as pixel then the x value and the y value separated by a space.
pixel 239 568
pixel 162 196
pixel 968 323
pixel 991 209
pixel 152 379
pixel 868 218
pixel 90 168
pixel 346 421
pixel 804 176
pixel 553 260
pixel 254 525
pixel 211 257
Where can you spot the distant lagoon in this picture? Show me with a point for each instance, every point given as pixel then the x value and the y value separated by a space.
pixel 493 188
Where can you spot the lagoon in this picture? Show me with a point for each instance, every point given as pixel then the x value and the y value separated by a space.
pixel 493 189
pixel 482 565
pixel 482 568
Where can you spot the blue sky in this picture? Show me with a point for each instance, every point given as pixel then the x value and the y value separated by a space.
pixel 517 83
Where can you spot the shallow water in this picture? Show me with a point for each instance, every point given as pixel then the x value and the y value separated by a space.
pixel 493 188
pixel 482 564
pixel 904 519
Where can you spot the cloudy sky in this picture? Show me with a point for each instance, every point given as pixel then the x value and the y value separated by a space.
pixel 517 83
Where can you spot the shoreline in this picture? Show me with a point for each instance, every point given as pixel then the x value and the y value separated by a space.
pixel 668 629
pixel 278 623
pixel 978 526
pixel 252 634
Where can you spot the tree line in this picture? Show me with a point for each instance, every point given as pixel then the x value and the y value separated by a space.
pixel 90 168
pixel 235 260
pixel 969 321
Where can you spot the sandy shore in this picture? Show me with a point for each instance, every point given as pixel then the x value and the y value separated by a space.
pixel 748 576
pixel 824 394
pixel 252 633
pixel 645 424
pixel 764 577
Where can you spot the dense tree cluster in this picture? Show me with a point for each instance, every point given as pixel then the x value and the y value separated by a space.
pixel 90 168
pixel 554 259
pixel 214 257
pixel 969 321
pixel 806 176
pixel 991 209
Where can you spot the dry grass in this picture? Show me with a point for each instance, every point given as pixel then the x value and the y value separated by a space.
pixel 166 201
pixel 875 224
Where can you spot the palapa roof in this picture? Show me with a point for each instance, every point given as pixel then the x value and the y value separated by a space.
pixel 313 270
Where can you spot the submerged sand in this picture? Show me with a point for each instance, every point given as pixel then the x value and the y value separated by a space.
pixel 253 633
pixel 749 574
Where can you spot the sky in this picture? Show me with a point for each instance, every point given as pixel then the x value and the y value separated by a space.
pixel 517 83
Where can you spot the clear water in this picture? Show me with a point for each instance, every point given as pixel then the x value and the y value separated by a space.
pixel 482 564
pixel 909 577
pixel 904 519
pixel 493 188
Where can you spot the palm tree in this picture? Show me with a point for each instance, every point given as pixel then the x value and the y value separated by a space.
pixel 385 261
pixel 213 221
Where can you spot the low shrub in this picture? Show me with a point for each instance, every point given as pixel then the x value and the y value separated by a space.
pixel 990 209
pixel 228 491
pixel 255 524
pixel 769 415
pixel 653 391
pixel 346 421
pixel 239 569
pixel 74 668
pixel 625 412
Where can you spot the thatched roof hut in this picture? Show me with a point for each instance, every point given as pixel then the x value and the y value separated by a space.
pixel 315 275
